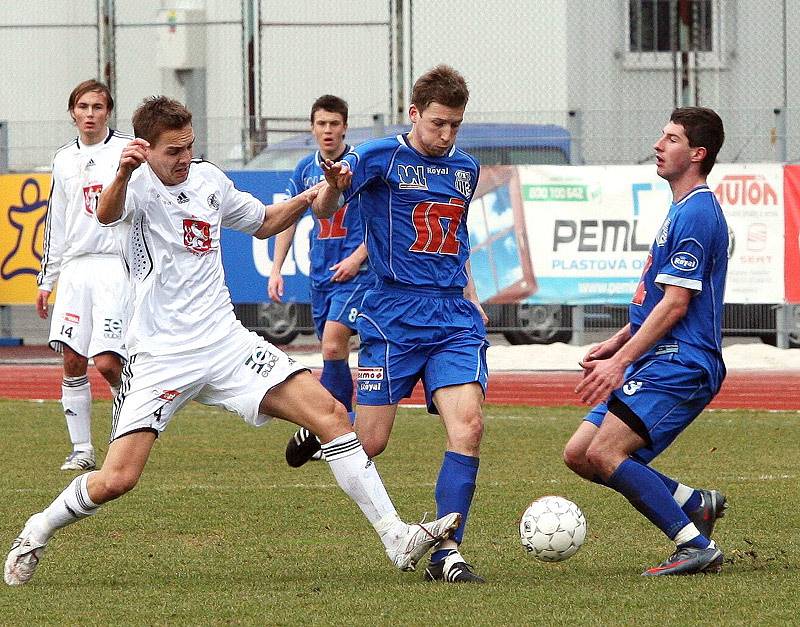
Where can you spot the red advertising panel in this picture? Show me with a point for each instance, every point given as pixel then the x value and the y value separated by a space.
pixel 791 197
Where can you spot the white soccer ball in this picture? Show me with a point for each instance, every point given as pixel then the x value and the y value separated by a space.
pixel 552 529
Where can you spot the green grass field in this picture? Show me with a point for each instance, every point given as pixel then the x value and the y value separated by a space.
pixel 221 531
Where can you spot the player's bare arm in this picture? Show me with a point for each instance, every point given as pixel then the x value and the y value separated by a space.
pixel 112 199
pixel 283 242
pixel 471 294
pixel 348 267
pixel 282 215
pixel 338 177
pixel 602 376
pixel 607 348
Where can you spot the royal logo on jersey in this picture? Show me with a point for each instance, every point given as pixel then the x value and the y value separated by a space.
pixel 663 232
pixel 686 262
pixel 464 182
pixel 412 177
pixel 169 395
pixel 631 387
pixel 71 317
pixel 91 196
pixel 196 235
pixel 213 202
pixel 370 374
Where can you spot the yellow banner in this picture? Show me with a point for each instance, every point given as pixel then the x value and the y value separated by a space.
pixel 23 207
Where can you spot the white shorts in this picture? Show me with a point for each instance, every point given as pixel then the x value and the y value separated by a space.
pixel 234 373
pixel 91 309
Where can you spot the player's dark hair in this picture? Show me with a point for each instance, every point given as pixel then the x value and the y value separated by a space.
pixel 443 85
pixel 334 104
pixel 703 128
pixel 158 114
pixel 84 88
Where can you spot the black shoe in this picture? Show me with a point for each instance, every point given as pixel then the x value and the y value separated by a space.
pixel 452 569
pixel 302 447
pixel 689 561
pixel 712 507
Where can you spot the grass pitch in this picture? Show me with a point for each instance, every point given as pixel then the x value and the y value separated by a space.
pixel 220 531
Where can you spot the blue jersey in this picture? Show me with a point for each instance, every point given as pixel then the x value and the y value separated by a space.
pixel 332 239
pixel 691 251
pixel 414 210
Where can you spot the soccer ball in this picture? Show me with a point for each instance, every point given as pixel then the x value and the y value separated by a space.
pixel 552 529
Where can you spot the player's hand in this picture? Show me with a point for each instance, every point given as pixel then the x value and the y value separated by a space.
pixel 41 303
pixel 600 378
pixel 312 192
pixel 133 155
pixel 345 270
pixel 275 287
pixel 338 175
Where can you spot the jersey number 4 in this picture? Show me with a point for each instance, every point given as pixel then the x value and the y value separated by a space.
pixel 333 227
pixel 436 224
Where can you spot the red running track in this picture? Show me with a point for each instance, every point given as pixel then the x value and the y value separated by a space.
pixel 743 389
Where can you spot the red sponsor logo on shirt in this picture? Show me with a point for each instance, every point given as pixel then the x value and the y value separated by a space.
pixel 71 317
pixel 370 374
pixel 196 235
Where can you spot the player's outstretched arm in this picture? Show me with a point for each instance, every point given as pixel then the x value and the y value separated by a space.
pixel 112 198
pixel 282 215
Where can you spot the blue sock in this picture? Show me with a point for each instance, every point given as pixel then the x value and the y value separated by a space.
pixel 647 493
pixel 455 487
pixel 336 378
pixel 694 501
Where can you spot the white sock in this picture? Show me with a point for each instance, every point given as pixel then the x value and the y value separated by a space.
pixel 357 476
pixel 688 533
pixel 72 505
pixel 682 494
pixel 76 398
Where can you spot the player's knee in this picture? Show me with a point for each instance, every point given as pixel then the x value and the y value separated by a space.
pixel 575 458
pixel 597 457
pixel 331 421
pixel 373 446
pixel 332 349
pixel 110 367
pixel 472 431
pixel 74 364
pixel 115 483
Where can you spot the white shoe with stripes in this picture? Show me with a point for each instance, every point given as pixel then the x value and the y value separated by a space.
pixel 80 460
pixel 420 538
pixel 23 558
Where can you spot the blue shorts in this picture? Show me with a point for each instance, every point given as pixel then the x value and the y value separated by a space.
pixel 665 394
pixel 341 302
pixel 409 334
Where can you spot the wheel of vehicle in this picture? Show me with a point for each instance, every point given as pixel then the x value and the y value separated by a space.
pixel 277 322
pixel 542 324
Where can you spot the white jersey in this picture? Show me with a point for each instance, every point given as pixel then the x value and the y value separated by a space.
pixel 80 173
pixel 171 250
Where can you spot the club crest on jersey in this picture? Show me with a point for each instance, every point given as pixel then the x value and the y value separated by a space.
pixel 213 202
pixel 91 196
pixel 196 235
pixel 464 182
pixel 169 395
pixel 412 176
pixel 686 262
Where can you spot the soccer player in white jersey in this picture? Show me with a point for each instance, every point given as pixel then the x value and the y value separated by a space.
pixel 89 315
pixel 185 342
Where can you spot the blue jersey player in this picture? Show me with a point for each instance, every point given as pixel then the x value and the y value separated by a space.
pixel 655 375
pixel 422 320
pixel 339 272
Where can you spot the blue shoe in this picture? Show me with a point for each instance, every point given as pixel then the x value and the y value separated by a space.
pixel 711 508
pixel 689 560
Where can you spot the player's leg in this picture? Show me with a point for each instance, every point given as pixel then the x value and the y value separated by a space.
pixel 703 507
pixel 76 399
pixel 123 466
pixel 336 376
pixel 302 400
pixel 109 365
pixel 610 455
pixel 461 411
